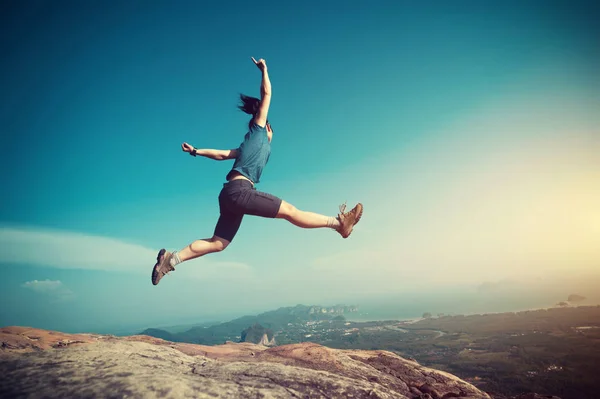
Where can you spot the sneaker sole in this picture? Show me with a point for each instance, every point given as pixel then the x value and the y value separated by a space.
pixel 357 220
pixel 359 214
pixel 158 257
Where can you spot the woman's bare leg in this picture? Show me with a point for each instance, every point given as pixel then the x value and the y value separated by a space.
pixel 203 247
pixel 166 261
pixel 306 220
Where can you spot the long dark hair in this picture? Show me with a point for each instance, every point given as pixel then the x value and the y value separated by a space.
pixel 249 105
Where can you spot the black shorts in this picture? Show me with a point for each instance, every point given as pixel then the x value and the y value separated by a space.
pixel 239 198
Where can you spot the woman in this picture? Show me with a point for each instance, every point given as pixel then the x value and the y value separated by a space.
pixel 239 197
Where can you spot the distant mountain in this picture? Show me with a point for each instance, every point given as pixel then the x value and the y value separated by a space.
pixel 184 327
pixel 273 320
pixel 157 333
pixel 257 334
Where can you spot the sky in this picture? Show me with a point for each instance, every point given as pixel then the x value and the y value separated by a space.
pixel 470 132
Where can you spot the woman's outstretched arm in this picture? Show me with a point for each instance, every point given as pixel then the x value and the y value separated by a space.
pixel 265 93
pixel 217 155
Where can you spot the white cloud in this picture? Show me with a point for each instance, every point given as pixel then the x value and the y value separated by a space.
pixel 69 250
pixel 54 288
pixel 44 285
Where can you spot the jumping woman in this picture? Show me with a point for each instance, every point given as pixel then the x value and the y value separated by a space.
pixel 239 196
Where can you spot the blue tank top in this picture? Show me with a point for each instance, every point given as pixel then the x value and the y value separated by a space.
pixel 253 153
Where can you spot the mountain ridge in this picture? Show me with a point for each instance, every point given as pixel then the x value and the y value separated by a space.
pixel 271 320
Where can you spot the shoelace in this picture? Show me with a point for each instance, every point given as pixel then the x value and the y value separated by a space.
pixel 343 207
pixel 169 269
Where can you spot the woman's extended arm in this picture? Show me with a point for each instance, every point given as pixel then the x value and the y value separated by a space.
pixel 265 93
pixel 217 155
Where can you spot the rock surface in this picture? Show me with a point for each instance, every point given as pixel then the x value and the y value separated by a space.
pixel 39 363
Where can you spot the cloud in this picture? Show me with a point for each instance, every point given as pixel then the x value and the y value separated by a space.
pixel 44 285
pixel 53 288
pixel 71 250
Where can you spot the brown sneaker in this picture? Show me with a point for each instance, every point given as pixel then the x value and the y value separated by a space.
pixel 349 219
pixel 162 266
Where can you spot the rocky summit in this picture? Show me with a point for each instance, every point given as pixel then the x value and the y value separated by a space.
pixel 38 363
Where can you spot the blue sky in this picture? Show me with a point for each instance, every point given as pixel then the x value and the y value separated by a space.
pixel 470 132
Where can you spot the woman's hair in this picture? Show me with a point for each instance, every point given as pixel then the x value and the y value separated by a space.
pixel 250 105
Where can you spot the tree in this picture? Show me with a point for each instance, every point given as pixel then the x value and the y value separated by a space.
pixel 426 315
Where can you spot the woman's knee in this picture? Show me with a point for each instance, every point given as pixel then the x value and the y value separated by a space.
pixel 218 243
pixel 286 210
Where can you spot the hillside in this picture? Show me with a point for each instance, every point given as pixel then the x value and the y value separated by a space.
pixel 273 320
pixel 543 320
pixel 51 364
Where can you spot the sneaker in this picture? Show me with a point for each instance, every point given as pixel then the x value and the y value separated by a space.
pixel 349 219
pixel 162 266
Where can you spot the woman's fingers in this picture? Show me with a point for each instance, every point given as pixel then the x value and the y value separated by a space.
pixel 259 62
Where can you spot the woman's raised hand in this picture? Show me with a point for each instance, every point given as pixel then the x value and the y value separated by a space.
pixel 261 64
